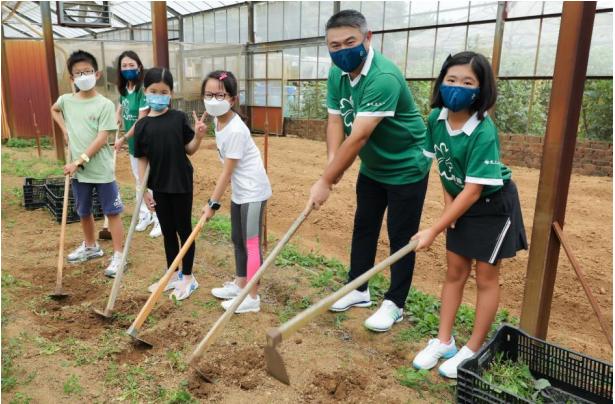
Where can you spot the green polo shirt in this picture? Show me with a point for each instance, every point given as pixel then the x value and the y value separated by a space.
pixel 393 154
pixel 470 154
pixel 132 103
pixel 84 119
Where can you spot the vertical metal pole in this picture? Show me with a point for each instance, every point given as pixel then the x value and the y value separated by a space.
pixel 531 102
pixel 52 74
pixel 336 7
pixel 497 43
pixel 160 34
pixel 249 70
pixel 558 153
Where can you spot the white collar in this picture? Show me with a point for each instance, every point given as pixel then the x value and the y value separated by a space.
pixel 364 70
pixel 468 127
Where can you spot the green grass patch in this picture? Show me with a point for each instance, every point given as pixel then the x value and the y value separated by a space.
pixel 178 396
pixel 46 347
pixel 18 143
pixel 421 381
pixel 72 386
pixel 339 319
pixel 423 311
pixel 327 273
pixel 9 281
pixel 209 304
pixel 219 227
pixel 176 361
pixel 30 166
pixel 21 398
pixel 293 307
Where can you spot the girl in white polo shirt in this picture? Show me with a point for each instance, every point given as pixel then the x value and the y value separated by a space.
pixel 243 167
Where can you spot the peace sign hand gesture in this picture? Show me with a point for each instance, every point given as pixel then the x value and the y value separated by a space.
pixel 199 124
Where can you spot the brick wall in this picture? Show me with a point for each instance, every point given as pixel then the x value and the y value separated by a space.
pixel 590 158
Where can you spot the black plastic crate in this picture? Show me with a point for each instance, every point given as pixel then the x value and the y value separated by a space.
pixel 34 193
pixel 55 199
pixel 574 378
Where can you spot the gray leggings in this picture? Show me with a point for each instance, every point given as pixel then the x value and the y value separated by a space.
pixel 247 234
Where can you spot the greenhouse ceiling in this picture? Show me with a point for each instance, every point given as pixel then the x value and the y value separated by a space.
pixel 23 18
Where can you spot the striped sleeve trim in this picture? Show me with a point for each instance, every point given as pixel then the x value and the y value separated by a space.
pixel 144 108
pixel 429 154
pixel 485 181
pixel 376 113
pixel 334 111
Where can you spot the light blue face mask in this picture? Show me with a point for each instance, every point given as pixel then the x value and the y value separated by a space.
pixel 158 102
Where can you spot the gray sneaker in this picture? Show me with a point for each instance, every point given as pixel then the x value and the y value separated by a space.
pixel 83 253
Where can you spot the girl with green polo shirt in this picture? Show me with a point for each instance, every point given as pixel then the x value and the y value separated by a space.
pixel 132 107
pixel 482 214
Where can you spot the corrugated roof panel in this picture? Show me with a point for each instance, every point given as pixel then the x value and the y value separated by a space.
pixel 9 32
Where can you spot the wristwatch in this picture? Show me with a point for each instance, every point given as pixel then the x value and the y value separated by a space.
pixel 214 205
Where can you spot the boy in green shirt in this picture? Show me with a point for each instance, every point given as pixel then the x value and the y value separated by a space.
pixel 86 118
pixel 373 115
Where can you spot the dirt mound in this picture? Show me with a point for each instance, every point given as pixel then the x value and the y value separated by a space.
pixel 241 366
pixel 339 385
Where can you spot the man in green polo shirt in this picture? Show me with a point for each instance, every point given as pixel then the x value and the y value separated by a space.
pixel 373 115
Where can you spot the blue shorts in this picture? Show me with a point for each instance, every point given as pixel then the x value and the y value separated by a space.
pixel 108 195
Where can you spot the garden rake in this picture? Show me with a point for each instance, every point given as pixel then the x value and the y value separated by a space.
pixel 217 328
pixel 120 273
pixel 273 359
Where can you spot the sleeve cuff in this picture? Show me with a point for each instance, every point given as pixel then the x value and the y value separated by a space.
pixel 485 181
pixel 429 154
pixel 376 113
pixel 334 111
pixel 144 108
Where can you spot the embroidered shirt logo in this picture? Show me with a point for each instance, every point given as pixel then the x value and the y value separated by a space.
pixel 347 110
pixel 445 164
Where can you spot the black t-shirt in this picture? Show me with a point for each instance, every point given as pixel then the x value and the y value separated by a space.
pixel 162 140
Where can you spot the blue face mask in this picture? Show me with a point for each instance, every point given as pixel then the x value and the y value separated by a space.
pixel 131 74
pixel 158 102
pixel 457 98
pixel 350 58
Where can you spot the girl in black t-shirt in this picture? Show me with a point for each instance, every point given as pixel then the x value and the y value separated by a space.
pixel 163 139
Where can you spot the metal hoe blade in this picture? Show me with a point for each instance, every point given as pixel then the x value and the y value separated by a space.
pixel 59 294
pixel 275 364
pixel 201 373
pixel 102 313
pixel 133 333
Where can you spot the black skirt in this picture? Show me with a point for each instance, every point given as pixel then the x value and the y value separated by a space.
pixel 491 229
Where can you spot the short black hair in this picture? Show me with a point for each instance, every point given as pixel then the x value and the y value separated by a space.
pixel 80 56
pixel 121 81
pixel 158 75
pixel 348 18
pixel 486 80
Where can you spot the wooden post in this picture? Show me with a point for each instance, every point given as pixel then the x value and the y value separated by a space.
pixel 558 152
pixel 160 34
pixel 496 56
pixel 52 74
pixel 36 130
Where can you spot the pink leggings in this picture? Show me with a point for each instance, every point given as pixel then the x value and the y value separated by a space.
pixel 247 231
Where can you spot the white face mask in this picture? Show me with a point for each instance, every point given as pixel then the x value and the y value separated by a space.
pixel 86 83
pixel 217 108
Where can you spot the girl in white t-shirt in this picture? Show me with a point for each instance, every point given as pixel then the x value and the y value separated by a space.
pixel 243 167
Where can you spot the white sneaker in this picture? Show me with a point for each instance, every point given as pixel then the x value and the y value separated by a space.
pixel 156 230
pixel 387 315
pixel 177 276
pixel 354 298
pixel 114 266
pixel 183 293
pixel 230 290
pixel 83 253
pixel 435 349
pixel 144 221
pixel 248 305
pixel 449 368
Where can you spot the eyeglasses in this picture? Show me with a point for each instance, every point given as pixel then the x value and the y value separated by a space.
pixel 219 96
pixel 85 73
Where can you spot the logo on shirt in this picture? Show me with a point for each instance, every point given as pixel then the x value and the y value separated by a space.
pixel 347 110
pixel 492 162
pixel 445 164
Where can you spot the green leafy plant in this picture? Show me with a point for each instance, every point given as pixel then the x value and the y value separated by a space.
pixel 176 361
pixel 293 307
pixel 514 378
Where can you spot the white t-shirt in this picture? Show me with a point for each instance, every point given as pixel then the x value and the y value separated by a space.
pixel 249 182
